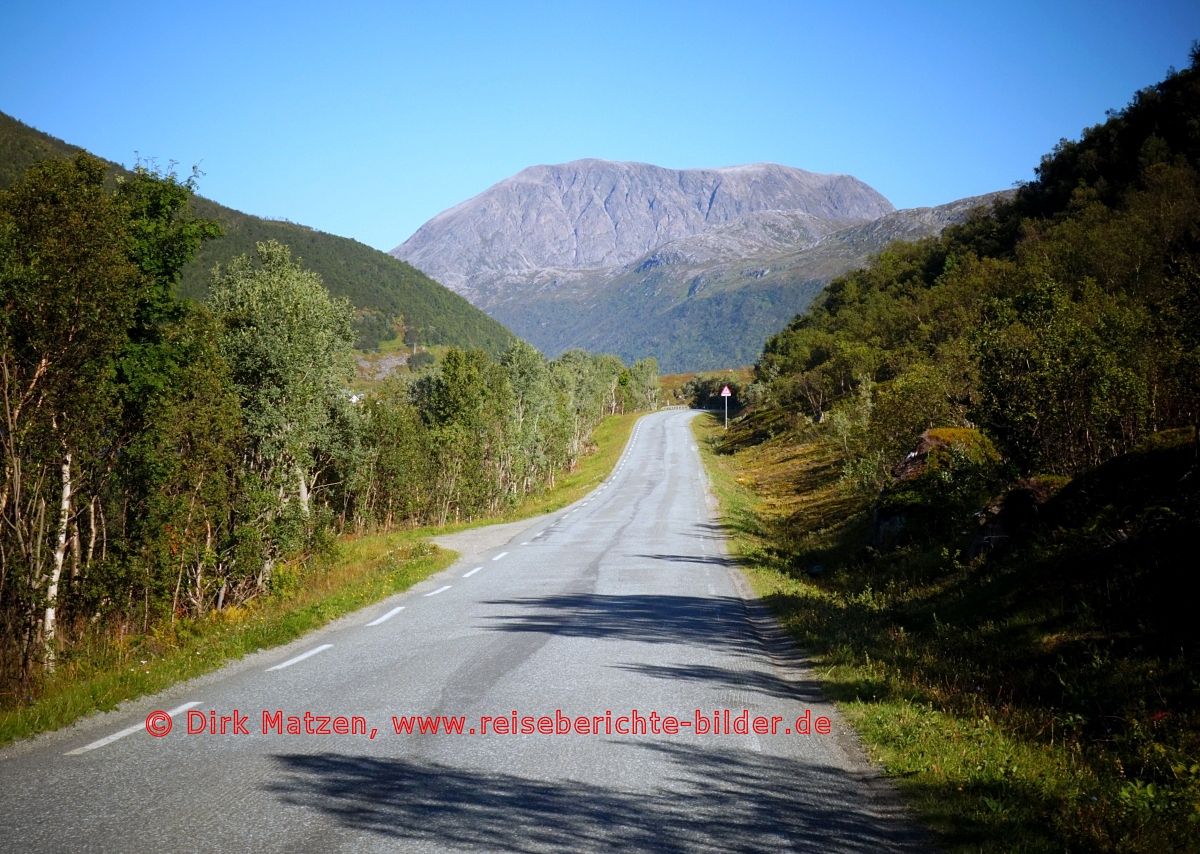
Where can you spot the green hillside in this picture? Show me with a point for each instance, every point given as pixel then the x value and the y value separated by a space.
pixel 973 474
pixel 381 288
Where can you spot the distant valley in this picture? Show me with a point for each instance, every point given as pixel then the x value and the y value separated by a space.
pixel 694 267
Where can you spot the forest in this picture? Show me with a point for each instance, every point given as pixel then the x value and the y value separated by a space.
pixel 165 458
pixel 1010 413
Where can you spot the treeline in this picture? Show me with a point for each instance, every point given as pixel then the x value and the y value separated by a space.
pixel 1064 323
pixel 165 458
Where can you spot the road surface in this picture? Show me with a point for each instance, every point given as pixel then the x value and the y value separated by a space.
pixel 624 601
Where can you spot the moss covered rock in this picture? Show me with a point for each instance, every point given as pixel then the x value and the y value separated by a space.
pixel 939 486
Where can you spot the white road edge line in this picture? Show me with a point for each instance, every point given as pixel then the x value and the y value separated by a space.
pixel 441 589
pixel 472 572
pixel 502 554
pixel 386 616
pixel 127 731
pixel 525 543
pixel 300 657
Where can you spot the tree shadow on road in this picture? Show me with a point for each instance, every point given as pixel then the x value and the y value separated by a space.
pixel 708 560
pixel 712 798
pixel 718 621
pixel 755 681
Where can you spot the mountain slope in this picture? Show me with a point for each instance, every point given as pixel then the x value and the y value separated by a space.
pixel 710 301
pixel 695 267
pixel 594 214
pixel 379 286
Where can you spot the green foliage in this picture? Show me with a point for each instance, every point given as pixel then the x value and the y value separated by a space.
pixel 68 290
pixel 371 328
pixel 287 344
pixel 165 460
pixel 383 289
pixel 484 435
pixel 959 472
pixel 1039 697
pixel 703 391
pixel 420 361
pixel 1064 323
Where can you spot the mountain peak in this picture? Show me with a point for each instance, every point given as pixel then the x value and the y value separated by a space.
pixel 594 213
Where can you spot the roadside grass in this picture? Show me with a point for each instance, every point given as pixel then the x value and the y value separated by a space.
pixel 942 667
pixel 103 670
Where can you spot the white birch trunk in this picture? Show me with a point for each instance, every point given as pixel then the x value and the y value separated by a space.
pixel 60 553
pixel 303 491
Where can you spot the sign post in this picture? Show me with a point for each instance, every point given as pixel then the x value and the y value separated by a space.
pixel 726 393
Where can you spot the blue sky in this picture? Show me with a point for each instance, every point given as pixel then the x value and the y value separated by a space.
pixel 367 118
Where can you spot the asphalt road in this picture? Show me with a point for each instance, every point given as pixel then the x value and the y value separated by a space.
pixel 623 601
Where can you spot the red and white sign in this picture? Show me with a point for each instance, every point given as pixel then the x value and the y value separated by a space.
pixel 725 392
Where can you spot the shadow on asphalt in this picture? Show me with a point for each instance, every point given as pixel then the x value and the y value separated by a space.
pixel 711 531
pixel 712 799
pixel 704 620
pixel 756 681
pixel 710 560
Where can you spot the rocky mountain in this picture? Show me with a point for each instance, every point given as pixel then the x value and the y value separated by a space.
pixel 596 215
pixel 695 267
pixel 710 301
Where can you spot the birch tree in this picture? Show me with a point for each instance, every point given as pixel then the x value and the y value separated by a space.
pixel 67 288
pixel 287 343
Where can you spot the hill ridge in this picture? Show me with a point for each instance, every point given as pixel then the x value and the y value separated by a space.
pixel 380 286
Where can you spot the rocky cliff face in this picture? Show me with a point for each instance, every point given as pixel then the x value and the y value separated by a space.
pixel 708 301
pixel 595 214
pixel 695 267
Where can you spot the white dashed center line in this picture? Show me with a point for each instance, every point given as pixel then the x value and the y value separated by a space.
pixel 439 590
pixel 386 616
pixel 300 657
pixel 127 731
pixel 472 572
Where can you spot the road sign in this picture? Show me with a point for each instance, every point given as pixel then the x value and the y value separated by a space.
pixel 725 392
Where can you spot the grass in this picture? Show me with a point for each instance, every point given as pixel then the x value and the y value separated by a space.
pixel 103 670
pixel 972 683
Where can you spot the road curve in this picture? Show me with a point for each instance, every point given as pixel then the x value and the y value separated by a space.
pixel 624 601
